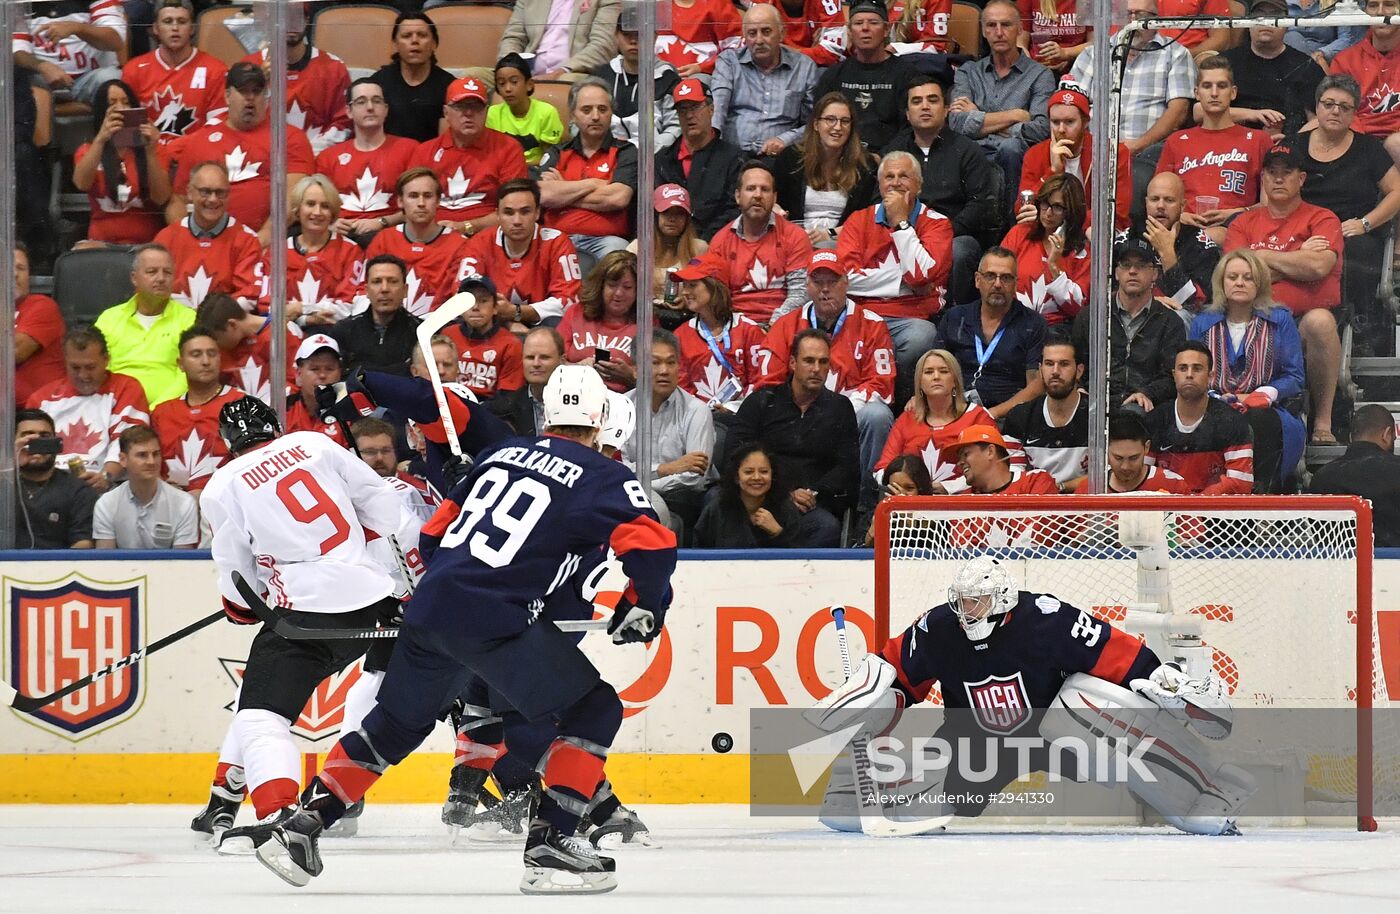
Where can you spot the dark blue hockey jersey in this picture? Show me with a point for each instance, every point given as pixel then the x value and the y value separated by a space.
pixel 1021 666
pixel 518 527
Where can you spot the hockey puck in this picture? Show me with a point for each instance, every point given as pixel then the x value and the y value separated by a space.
pixel 722 742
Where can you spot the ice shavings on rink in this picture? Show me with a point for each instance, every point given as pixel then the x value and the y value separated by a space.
pixel 712 859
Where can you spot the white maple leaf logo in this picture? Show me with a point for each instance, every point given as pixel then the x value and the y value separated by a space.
pixel 309 289
pixel 938 471
pixel 193 462
pixel 239 168
pixel 417 305
pixel 199 283
pixel 1038 299
pixel 516 298
pixel 367 196
pixel 457 196
pixel 296 115
pixel 254 380
pixel 758 277
pixel 708 387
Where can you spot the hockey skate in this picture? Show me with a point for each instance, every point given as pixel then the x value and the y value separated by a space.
pixel 558 864
pixel 348 825
pixel 623 827
pixel 287 844
pixel 217 817
pixel 463 792
pixel 506 821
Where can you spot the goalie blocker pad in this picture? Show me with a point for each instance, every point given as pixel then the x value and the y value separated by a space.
pixel 1189 786
pixel 866 696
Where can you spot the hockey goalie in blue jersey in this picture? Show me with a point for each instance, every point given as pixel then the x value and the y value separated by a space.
pixel 514 530
pixel 1020 662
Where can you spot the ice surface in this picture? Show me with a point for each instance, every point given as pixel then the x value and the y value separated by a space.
pixel 713 859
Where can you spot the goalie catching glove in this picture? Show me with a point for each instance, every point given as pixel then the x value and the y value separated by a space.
pixel 1201 704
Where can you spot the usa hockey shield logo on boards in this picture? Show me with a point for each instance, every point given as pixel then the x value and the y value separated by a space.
pixel 999 703
pixel 61 631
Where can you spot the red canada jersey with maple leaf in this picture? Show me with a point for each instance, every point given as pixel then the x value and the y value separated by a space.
pixel 584 337
pixel 316 97
pixel 324 280
pixel 72 54
pixel 247 156
pixel 897 273
pixel 489 364
pixel 299 419
pixel 744 368
pixel 819 31
pixel 127 219
pixel 246 365
pixel 190 445
pixel 929 27
pixel 434 267
pixel 180 98
pixel 698 33
pixel 1059 299
pixel 547 276
pixel 228 262
pixel 757 276
pixel 1223 164
pixel 910 435
pixel 862 356
pixel 366 179
pixel 1379 77
pixel 1259 230
pixel 470 176
pixel 90 425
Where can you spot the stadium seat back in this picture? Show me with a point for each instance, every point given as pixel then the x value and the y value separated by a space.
pixel 213 37
pixel 557 94
pixel 88 282
pixel 357 34
pixel 470 35
pixel 965 27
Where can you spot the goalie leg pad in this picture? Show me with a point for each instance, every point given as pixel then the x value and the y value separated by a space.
pixel 1162 763
pixel 867 696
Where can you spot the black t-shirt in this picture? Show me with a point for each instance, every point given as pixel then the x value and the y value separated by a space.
pixel 59 513
pixel 1285 83
pixel 414 111
pixel 1349 185
pixel 876 93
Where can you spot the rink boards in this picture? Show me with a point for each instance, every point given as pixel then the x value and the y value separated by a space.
pixel 744 633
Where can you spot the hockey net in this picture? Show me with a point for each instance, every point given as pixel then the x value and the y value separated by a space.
pixel 1273 594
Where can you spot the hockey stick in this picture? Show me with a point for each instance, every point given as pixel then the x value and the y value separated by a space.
pixel 9 695
pixel 403 563
pixel 289 630
pixel 874 813
pixel 448 312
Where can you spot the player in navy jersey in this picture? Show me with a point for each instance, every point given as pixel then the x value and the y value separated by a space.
pixel 1007 656
pixel 502 542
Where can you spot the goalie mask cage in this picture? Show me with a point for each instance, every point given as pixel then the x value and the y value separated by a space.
pixel 1272 593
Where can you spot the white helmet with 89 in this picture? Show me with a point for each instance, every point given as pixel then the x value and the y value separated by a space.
pixel 575 395
pixel 981 591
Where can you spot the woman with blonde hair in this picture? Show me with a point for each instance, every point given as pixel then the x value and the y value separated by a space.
pixel 1256 363
pixel 938 412
pixel 600 328
pixel 325 271
pixel 827 175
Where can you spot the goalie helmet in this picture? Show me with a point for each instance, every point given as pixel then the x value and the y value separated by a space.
pixel 575 395
pixel 981 591
pixel 622 421
pixel 246 422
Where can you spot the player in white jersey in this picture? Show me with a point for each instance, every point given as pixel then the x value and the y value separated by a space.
pixel 295 515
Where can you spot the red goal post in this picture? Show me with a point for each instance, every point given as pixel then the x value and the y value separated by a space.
pixel 1272 593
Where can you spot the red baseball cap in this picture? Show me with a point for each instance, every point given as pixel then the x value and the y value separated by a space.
pixel 825 259
pixel 973 434
pixel 1072 94
pixel 699 269
pixel 465 88
pixel 669 196
pixel 690 90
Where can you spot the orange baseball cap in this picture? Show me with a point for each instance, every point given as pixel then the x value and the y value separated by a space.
pixel 699 269
pixel 973 434
pixel 465 88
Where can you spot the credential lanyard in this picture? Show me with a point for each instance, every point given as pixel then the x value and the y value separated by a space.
pixel 716 348
pixel 984 353
pixel 812 321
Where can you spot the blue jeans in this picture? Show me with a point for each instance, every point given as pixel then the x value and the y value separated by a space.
pixel 912 337
pixel 593 248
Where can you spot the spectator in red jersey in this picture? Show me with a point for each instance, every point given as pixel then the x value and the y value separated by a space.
pixel 1202 43
pixel 242 142
pixel 54 510
pixel 486 355
pixel 365 167
pixel 600 327
pixel 699 30
pixel 817 28
pixel 73 45
pixel 565 36
pixel 414 85
pixel 121 172
pixel 316 85
pixel 471 161
pixel 985 461
pixel 324 271
pixel 213 251
pixel 1186 255
pixel 701 161
pixel 90 407
pixel 674 242
pixel 39 333
pixel 383 336
pixel 318 365
pixel 1052 32
pixel 1070 150
pixel 937 414
pixel 1374 63
pixel 188 426
pixel 535 268
pixel 586 184
pixel 723 357
pixel 541 352
pixel 921 27
pixel 1301 244
pixel 1129 445
pixel 1256 364
pixel 245 345
pixel 766 254
pixel 180 85
pixel 433 252
pixel 862 356
pixel 1220 160
pixel 1052 253
pixel 899 253
pixel 1200 437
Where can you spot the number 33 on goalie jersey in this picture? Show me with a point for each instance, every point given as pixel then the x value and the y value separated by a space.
pixel 1021 665
pixel 514 530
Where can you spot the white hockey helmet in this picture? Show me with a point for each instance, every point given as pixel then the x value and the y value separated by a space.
pixel 575 395
pixel 622 421
pixel 981 590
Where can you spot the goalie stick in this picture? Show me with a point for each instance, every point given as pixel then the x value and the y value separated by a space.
pixel 289 630
pixel 28 704
pixel 874 812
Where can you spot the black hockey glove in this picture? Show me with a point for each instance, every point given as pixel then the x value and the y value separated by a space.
pixel 346 400
pixel 630 624
pixel 455 469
